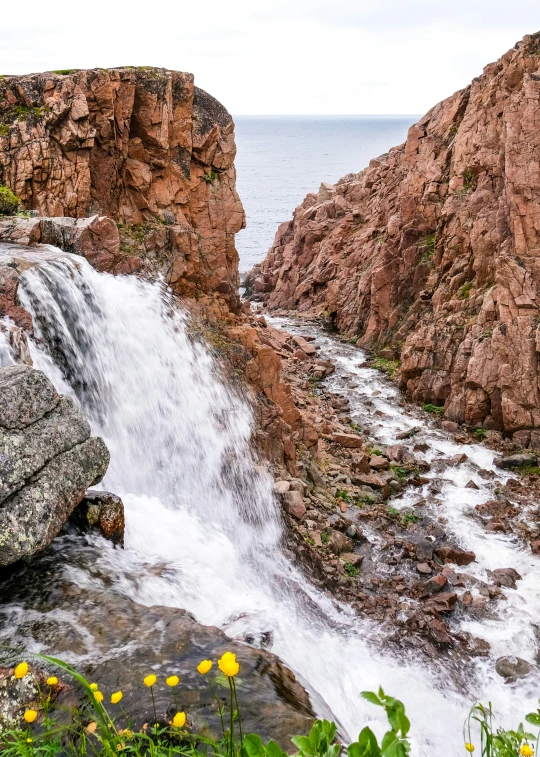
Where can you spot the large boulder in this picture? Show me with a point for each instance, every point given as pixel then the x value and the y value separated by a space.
pixel 47 461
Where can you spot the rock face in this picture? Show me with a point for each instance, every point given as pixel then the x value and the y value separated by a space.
pixel 431 253
pixel 143 146
pixel 47 461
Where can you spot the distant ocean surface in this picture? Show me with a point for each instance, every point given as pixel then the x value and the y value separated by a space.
pixel 282 158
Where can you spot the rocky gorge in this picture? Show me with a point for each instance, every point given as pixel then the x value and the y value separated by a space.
pixel 428 256
pixel 362 517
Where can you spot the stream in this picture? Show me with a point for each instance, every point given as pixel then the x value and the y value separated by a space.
pixel 199 502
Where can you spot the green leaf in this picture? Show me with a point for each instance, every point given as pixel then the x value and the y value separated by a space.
pixel 372 697
pixel 533 718
pixel 273 749
pixel 366 746
pixel 253 744
pixel 304 745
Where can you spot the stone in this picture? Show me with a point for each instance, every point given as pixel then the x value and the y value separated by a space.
pixel 455 555
pixel 351 441
pixel 101 511
pixel 352 558
pixel 368 479
pixel 294 504
pixel 339 543
pixel 280 487
pixel 471 485
pixel 512 667
pixel 516 461
pixel 428 252
pixel 395 452
pixel 47 461
pixel 435 584
pixel 458 459
pixel 506 577
pixel 408 433
pixel 378 462
pixel 360 463
pixel 424 550
pixel 450 426
pixel 423 567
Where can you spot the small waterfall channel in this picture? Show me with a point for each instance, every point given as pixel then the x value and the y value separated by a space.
pixel 199 502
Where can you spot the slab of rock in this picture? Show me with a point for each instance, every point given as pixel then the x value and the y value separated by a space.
pixel 351 441
pixel 378 462
pixel 455 555
pixel 368 479
pixel 516 461
pixel 47 461
pixel 294 504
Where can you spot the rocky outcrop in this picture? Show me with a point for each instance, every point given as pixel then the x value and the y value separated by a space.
pixel 47 461
pixel 143 146
pixel 431 254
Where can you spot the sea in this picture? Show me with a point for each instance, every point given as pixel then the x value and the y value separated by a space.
pixel 282 158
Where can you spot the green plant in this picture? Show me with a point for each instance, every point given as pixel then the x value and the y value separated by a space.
pixel 465 290
pixel 364 499
pixel 529 470
pixel 394 742
pixel 428 245
pixel 409 518
pixel 4 130
pixel 324 537
pixel 209 178
pixel 66 71
pixel 437 409
pixel 480 433
pixel 9 202
pixel 390 367
pixel 343 495
pixel 400 471
pixel 350 570
pixel 391 512
pixel 468 179
pixel 497 742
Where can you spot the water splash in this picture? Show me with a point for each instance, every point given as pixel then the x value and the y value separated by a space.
pixel 203 528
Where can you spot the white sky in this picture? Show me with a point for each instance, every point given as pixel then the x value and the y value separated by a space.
pixel 277 56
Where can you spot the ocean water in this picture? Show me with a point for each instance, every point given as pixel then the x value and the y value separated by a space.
pixel 282 158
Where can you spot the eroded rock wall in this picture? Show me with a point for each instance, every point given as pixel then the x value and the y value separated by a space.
pixel 143 146
pixel 432 252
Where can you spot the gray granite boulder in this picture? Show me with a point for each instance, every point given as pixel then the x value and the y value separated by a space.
pixel 47 461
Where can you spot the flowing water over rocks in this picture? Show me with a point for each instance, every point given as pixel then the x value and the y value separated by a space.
pixel 204 532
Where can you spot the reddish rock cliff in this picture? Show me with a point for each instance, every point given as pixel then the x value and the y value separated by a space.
pixel 433 251
pixel 143 146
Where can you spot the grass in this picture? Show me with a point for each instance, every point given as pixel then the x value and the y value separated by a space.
pixel 209 177
pixel 529 470
pixel 480 433
pixel 436 409
pixel 350 570
pixel 428 245
pixel 364 499
pixel 101 727
pixel 409 518
pixel 324 537
pixel 343 495
pixel 468 180
pixel 465 290
pixel 400 471
pixel 66 71
pixel 4 130
pixel 390 367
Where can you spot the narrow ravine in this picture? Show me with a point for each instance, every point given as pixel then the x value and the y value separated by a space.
pixel 204 531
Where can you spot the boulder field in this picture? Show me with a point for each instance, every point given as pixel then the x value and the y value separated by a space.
pixel 430 255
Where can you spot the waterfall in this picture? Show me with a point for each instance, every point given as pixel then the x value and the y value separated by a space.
pixel 199 502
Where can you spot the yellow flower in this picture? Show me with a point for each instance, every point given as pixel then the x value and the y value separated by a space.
pixel 21 670
pixel 29 740
pixel 52 681
pixel 172 681
pixel 469 747
pixel 98 696
pixel 179 719
pixel 228 665
pixel 150 680
pixel 116 697
pixel 526 751
pixel 94 687
pixel 204 666
pixel 30 716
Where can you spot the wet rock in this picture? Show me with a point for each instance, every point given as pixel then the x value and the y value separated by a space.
pixel 351 531
pixel 474 645
pixel 101 511
pixel 423 568
pixel 535 546
pixel 471 485
pixel 455 555
pixel 516 461
pixel 47 461
pixel 395 452
pixel 360 463
pixel 443 602
pixel 368 479
pixel 435 584
pixel 506 577
pixel 294 504
pixel 352 558
pixel 513 667
pixel 458 459
pixel 424 550
pixel 449 426
pixel 440 633
pixel 408 433
pixel 351 441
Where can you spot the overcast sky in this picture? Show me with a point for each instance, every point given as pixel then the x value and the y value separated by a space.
pixel 278 56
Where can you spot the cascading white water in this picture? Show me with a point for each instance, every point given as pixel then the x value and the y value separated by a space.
pixel 198 502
